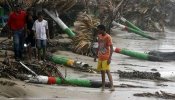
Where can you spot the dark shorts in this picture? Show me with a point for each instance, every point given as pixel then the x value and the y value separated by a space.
pixel 30 41
pixel 41 43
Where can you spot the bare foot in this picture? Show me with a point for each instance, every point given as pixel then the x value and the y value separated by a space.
pixel 112 89
pixel 95 60
pixel 103 88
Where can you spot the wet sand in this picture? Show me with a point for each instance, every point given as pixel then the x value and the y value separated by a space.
pixel 119 62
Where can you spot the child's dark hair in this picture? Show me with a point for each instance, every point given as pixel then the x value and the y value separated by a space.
pixel 101 27
pixel 40 14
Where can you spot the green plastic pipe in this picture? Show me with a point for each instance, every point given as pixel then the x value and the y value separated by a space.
pixel 129 24
pixel 68 81
pixel 139 33
pixel 60 23
pixel 132 53
pixel 135 54
pixel 132 30
pixel 138 55
pixel 78 82
pixel 59 59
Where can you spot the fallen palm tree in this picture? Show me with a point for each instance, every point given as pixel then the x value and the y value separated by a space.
pixel 84 27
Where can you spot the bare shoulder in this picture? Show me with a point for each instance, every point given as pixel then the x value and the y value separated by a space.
pixel 109 36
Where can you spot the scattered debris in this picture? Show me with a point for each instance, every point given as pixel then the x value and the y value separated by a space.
pixel 84 26
pixel 166 56
pixel 153 69
pixel 132 65
pixel 60 5
pixel 160 94
pixel 7 83
pixel 15 70
pixel 162 85
pixel 141 75
pixel 129 86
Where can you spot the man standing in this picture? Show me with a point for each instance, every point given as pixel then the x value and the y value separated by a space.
pixel 17 23
pixel 41 31
pixel 105 50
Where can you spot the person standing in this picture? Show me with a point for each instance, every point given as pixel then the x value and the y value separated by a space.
pixel 17 25
pixel 94 45
pixel 105 50
pixel 30 40
pixel 41 31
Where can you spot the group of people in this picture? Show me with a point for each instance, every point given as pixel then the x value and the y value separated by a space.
pixel 29 29
pixel 34 31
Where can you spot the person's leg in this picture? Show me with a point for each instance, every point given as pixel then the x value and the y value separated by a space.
pixel 106 67
pixel 103 79
pixel 35 52
pixel 28 42
pixel 110 79
pixel 103 71
pixel 94 54
pixel 99 68
pixel 44 43
pixel 21 43
pixel 30 52
pixel 16 44
pixel 39 54
pixel 39 49
pixel 33 47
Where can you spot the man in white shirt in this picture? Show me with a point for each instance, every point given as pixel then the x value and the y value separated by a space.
pixel 41 30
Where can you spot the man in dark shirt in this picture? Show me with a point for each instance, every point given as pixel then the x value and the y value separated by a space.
pixel 30 40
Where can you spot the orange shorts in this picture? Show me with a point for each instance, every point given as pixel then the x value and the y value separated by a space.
pixel 103 65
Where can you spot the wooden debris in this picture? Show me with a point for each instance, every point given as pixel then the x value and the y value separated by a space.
pixel 7 83
pixel 15 70
pixel 129 86
pixel 141 75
